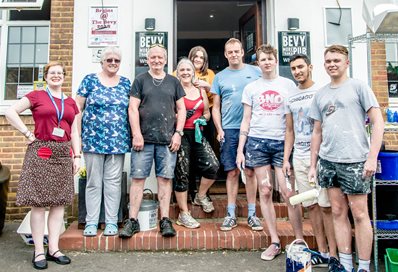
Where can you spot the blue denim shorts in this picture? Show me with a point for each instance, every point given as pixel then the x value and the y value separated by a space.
pixel 229 148
pixel 262 152
pixel 346 176
pixel 141 161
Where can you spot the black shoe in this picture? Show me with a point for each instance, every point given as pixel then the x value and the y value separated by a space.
pixel 131 227
pixel 166 227
pixel 40 265
pixel 59 260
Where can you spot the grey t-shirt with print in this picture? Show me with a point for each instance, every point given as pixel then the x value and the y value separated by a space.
pixel 298 104
pixel 342 111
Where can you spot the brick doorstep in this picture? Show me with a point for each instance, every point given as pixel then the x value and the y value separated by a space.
pixel 207 237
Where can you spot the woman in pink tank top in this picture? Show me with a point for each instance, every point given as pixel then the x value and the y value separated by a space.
pixel 195 154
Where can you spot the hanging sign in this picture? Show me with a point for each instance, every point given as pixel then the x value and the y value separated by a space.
pixel 291 43
pixel 103 26
pixel 143 41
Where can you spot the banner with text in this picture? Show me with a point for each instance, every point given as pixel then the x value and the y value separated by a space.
pixel 291 43
pixel 143 41
pixel 103 26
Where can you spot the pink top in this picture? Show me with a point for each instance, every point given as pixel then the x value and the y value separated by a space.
pixel 45 116
pixel 189 105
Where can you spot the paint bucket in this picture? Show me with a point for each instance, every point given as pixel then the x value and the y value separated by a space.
pixel 148 213
pixel 387 166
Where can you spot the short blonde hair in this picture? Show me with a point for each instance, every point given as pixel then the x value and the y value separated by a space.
pixel 233 40
pixel 52 64
pixel 337 48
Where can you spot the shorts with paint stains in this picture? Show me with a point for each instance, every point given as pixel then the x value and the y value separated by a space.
pixel 346 176
pixel 262 152
pixel 141 161
pixel 194 157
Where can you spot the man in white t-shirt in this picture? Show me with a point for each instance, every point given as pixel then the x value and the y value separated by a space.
pixel 262 133
pixel 298 135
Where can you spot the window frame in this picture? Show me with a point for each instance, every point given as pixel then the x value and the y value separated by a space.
pixel 22 5
pixel 4 25
pixel 325 22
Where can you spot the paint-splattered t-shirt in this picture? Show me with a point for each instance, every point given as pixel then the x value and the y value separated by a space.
pixel 157 107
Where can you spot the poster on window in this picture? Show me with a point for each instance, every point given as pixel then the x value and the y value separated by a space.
pixel 143 41
pixel 103 26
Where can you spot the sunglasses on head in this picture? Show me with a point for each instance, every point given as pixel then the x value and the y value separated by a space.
pixel 112 60
pixel 156 45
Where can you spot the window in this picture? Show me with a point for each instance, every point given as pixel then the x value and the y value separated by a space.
pixel 24 49
pixel 27 48
pixel 392 72
pixel 21 4
pixel 338 25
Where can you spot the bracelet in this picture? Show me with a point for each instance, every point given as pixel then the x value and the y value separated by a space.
pixel 28 134
pixel 77 156
pixel 244 133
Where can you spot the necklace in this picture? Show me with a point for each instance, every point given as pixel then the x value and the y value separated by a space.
pixel 157 82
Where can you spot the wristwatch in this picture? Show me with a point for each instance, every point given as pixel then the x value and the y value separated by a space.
pixel 180 132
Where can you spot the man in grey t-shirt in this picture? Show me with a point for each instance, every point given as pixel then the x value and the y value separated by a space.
pixel 346 162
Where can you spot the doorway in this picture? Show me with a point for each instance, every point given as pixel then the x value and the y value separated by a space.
pixel 211 23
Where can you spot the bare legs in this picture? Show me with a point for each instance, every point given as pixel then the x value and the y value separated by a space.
pixel 37 225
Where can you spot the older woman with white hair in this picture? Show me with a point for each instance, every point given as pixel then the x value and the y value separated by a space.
pixel 103 99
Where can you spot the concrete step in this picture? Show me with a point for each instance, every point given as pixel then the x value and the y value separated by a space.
pixel 207 237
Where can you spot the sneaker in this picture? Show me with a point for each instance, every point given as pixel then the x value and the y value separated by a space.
pixel 166 227
pixel 229 223
pixel 317 260
pixel 185 219
pixel 362 270
pixel 254 222
pixel 271 252
pixel 131 227
pixel 205 202
pixel 335 265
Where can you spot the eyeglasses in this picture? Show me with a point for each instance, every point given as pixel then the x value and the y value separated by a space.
pixel 112 60
pixel 56 73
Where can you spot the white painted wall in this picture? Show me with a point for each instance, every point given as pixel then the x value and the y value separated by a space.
pixel 311 16
pixel 131 17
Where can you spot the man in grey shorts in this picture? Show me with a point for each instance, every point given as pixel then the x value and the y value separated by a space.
pixel 346 161
pixel 155 98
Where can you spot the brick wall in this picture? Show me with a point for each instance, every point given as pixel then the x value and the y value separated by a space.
pixel 380 87
pixel 12 143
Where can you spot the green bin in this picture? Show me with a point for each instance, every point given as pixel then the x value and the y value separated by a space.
pixel 391 260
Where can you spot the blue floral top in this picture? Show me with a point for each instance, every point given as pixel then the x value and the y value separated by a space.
pixel 105 126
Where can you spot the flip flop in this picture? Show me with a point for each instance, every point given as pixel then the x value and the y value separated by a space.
pixel 110 229
pixel 90 230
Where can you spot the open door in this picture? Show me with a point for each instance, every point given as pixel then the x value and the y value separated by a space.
pixel 250 28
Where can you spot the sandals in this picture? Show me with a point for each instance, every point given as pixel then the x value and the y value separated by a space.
pixel 90 230
pixel 110 229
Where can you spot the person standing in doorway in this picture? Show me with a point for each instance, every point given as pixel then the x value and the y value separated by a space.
pixel 157 117
pixel 51 160
pixel 346 163
pixel 262 134
pixel 227 112
pixel 103 99
pixel 298 135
